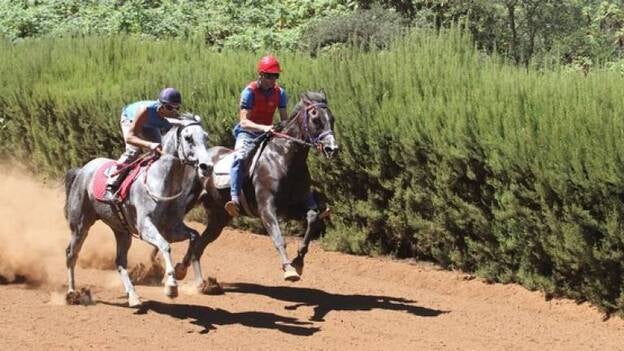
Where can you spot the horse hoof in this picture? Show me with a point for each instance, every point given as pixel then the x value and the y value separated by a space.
pixel 82 297
pixel 210 287
pixel 171 291
pixel 291 276
pixel 134 301
pixel 297 264
pixel 180 271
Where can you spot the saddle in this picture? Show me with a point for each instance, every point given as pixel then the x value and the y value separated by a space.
pixel 221 171
pixel 107 168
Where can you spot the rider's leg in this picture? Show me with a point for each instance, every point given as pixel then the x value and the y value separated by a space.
pixel 113 182
pixel 244 142
pixel 131 154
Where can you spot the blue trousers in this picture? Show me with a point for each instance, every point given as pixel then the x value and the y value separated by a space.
pixel 244 144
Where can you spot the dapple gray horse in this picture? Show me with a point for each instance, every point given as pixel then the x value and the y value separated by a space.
pixel 155 206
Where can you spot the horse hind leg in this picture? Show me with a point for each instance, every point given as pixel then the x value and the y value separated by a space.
pixel 79 224
pixel 124 241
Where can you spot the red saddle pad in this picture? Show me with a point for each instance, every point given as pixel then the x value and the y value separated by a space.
pixel 101 177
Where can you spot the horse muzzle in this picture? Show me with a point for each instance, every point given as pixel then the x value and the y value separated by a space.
pixel 330 150
pixel 205 169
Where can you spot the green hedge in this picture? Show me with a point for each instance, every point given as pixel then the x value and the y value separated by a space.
pixel 447 155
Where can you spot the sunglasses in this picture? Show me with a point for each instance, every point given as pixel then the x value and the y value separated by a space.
pixel 271 75
pixel 171 107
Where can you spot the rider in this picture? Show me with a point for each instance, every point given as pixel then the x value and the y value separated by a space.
pixel 258 103
pixel 141 125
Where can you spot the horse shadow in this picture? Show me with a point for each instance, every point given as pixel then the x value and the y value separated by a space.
pixel 208 318
pixel 325 302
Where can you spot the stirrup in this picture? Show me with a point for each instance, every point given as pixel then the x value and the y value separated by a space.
pixel 232 208
pixel 110 196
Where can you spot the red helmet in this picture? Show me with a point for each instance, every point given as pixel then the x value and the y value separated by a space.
pixel 269 64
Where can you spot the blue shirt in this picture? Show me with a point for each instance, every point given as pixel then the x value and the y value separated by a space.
pixel 154 124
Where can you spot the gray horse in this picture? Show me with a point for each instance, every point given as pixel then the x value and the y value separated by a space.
pixel 154 209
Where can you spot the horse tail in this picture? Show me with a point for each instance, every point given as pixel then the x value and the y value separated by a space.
pixel 70 176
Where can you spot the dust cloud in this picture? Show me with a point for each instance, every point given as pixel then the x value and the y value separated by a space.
pixel 34 232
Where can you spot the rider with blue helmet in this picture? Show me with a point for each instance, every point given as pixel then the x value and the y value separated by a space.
pixel 141 125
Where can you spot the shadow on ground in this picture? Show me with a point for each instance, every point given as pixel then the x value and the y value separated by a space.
pixel 324 302
pixel 209 318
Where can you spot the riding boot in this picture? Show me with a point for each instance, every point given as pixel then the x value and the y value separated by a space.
pixel 114 181
pixel 112 184
pixel 232 207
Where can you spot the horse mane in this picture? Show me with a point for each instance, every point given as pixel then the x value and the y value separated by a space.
pixel 184 119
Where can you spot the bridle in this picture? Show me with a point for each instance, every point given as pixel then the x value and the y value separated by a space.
pixel 309 141
pixel 184 159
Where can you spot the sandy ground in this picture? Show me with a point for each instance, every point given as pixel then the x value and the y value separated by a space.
pixel 342 303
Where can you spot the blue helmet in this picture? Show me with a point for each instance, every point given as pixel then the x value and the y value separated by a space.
pixel 170 96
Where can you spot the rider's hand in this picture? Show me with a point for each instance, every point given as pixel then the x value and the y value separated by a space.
pixel 268 129
pixel 155 147
pixel 279 126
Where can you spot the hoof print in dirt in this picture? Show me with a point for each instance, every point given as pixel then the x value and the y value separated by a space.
pixel 16 279
pixel 82 297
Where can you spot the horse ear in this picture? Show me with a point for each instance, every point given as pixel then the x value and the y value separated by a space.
pixel 323 94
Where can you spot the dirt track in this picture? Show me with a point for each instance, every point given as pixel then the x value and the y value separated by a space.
pixel 343 302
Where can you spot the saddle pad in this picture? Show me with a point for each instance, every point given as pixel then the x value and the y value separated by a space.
pixel 101 177
pixel 223 165
pixel 221 171
pixel 98 186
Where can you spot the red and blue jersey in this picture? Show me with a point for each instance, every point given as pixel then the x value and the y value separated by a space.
pixel 262 103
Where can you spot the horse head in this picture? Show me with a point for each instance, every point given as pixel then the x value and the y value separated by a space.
pixel 187 141
pixel 316 122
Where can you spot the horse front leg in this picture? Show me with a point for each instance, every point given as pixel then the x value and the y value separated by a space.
pixel 314 226
pixel 217 220
pixel 152 235
pixel 271 224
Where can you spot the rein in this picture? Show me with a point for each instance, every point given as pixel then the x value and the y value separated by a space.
pixel 309 141
pixel 182 159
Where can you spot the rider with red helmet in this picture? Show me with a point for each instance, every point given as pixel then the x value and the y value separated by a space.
pixel 258 103
pixel 141 125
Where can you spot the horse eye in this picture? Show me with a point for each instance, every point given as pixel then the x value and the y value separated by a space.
pixel 188 138
pixel 314 112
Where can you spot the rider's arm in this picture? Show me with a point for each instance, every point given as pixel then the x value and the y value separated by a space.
pixel 132 137
pixel 283 103
pixel 246 123
pixel 283 115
